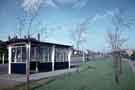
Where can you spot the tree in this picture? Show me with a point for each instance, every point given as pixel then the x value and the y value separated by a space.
pixel 116 40
pixel 21 25
pixel 31 9
pixel 78 36
pixel 43 30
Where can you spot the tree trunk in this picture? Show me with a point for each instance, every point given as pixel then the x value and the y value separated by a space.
pixel 116 66
pixel 120 65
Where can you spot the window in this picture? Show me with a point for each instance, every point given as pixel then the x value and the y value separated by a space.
pixel 23 54
pixel 13 54
pixel 34 53
pixel 61 55
pixel 46 54
pixel 18 54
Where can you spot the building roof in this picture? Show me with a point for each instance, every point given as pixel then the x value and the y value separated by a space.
pixel 34 41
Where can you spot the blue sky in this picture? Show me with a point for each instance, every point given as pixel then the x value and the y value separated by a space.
pixel 60 16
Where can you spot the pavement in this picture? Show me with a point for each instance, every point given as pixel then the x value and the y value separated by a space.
pixel 3 68
pixel 132 64
pixel 36 76
pixel 9 81
pixel 4 84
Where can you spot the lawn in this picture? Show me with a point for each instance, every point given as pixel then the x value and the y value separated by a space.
pixel 94 75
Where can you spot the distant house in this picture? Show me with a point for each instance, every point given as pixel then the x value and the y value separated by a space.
pixel 131 54
pixel 124 53
pixel 44 56
pixel 78 56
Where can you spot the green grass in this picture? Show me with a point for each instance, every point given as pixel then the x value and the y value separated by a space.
pixel 94 75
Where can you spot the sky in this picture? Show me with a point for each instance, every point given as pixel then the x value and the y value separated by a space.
pixel 59 17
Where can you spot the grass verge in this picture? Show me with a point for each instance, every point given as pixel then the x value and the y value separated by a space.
pixel 94 75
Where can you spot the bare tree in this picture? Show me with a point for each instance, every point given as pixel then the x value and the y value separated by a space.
pixel 31 9
pixel 43 29
pixel 21 25
pixel 78 36
pixel 116 40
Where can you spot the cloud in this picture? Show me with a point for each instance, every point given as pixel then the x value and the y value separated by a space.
pixel 50 3
pixel 31 6
pixel 80 4
pixel 71 3
pixel 65 2
pixel 107 14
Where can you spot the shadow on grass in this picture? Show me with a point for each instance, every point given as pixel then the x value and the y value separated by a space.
pixel 88 68
pixel 41 85
pixel 82 88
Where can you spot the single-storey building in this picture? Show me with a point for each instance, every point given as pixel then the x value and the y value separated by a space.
pixel 44 56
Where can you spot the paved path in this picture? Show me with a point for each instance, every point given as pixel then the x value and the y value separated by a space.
pixel 3 68
pixel 37 76
pixel 50 74
pixel 8 83
pixel 132 64
pixel 15 79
